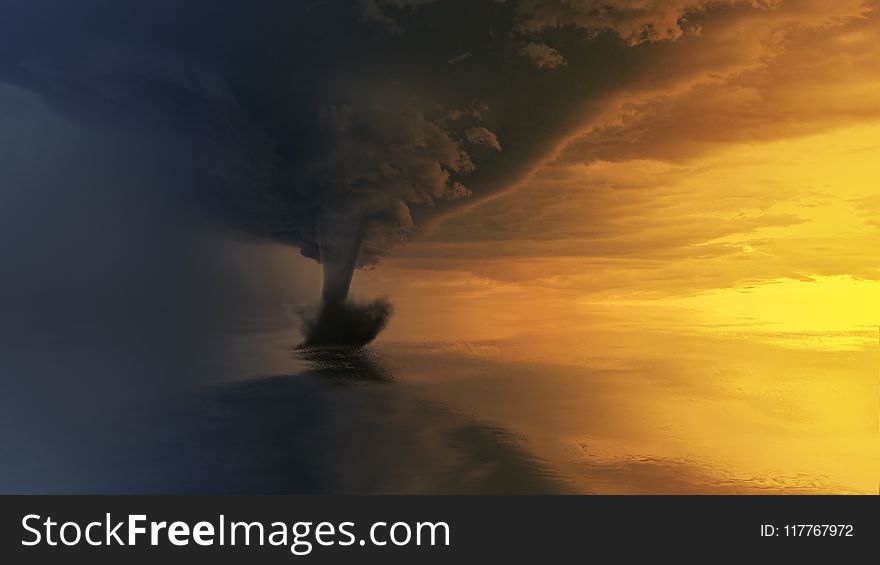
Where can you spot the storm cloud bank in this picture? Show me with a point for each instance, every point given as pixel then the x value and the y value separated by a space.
pixel 337 127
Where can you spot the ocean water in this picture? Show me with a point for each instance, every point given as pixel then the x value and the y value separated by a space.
pixel 705 416
pixel 590 413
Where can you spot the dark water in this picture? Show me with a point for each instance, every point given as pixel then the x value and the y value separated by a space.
pixel 345 426
pixel 460 419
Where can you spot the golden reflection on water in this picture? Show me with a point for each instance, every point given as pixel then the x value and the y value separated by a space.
pixel 655 411
pixel 639 398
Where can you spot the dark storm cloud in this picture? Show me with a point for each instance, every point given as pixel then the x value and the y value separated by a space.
pixel 337 127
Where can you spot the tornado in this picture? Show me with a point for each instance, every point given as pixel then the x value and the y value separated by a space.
pixel 379 160
pixel 338 321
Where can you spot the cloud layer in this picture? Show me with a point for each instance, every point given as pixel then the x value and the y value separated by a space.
pixel 344 143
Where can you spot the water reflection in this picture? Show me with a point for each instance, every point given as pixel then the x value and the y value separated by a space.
pixel 345 426
pixel 345 364
pixel 493 418
pixel 703 416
